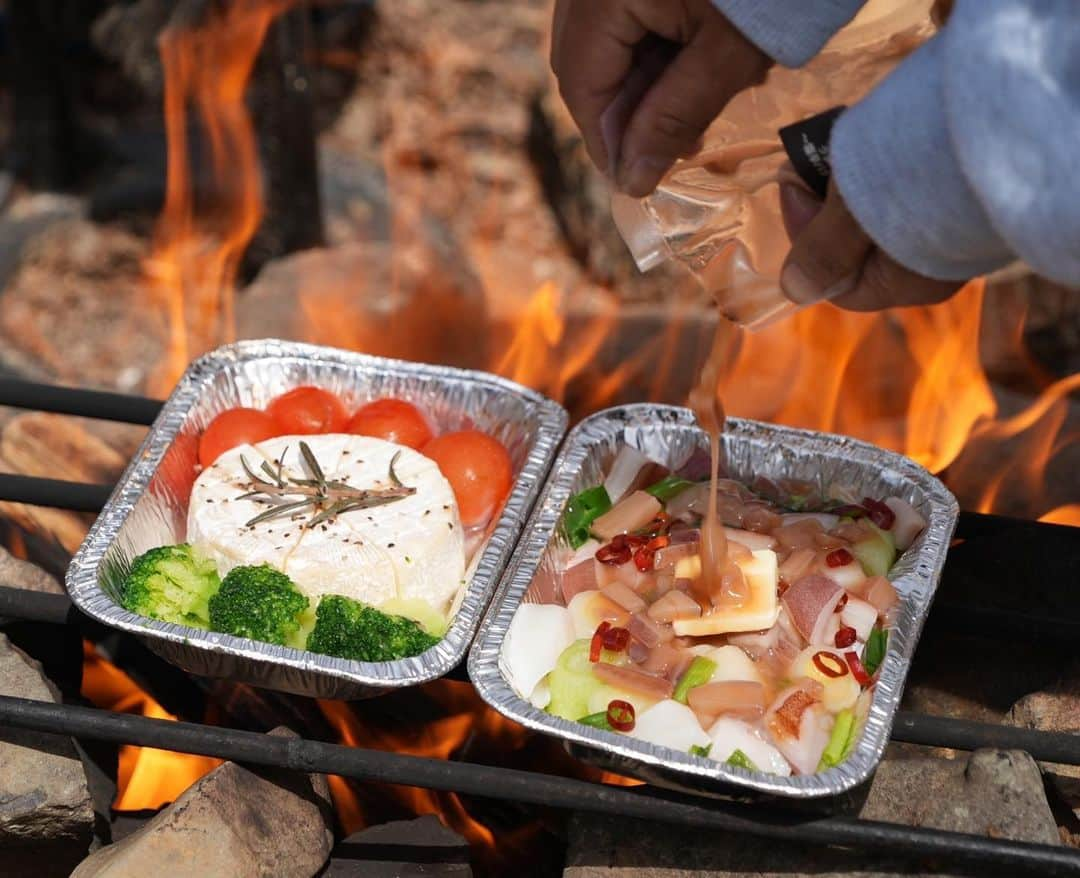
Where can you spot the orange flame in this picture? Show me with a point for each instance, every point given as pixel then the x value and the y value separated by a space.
pixel 147 778
pixel 197 248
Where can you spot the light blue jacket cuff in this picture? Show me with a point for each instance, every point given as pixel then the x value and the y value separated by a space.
pixel 791 32
pixel 895 163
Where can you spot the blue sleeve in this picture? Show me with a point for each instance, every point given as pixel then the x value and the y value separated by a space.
pixel 791 32
pixel 966 157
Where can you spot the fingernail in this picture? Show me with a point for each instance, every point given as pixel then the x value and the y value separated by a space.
pixel 804 290
pixel 641 176
pixel 798 207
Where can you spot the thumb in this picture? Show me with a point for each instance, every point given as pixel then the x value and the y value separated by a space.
pixel 827 257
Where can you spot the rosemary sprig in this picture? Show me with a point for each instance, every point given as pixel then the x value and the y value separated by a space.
pixel 325 498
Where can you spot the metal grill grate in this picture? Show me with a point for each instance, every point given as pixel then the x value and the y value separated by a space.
pixel 957 851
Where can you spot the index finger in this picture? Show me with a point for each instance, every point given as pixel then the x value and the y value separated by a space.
pixel 592 52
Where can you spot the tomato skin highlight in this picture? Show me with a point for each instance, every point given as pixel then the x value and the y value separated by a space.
pixel 306 411
pixel 477 467
pixel 234 427
pixel 394 420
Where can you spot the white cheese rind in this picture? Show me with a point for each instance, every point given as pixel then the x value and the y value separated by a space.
pixel 411 548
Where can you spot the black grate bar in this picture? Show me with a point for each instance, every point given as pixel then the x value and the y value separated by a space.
pixel 969 852
pixel 75 401
pixel 76 496
pixel 911 728
pixel 940 731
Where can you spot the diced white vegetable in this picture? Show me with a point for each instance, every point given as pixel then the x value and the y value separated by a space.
pixel 624 470
pixel 537 636
pixel 908 525
pixel 585 552
pixel 825 519
pixel 729 735
pixel 541 695
pixel 751 539
pixel 589 608
pixel 670 724
pixel 860 615
pixel 840 692
pixel 731 664
pixel 847 576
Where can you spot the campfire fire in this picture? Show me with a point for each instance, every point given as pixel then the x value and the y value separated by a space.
pixel 912 380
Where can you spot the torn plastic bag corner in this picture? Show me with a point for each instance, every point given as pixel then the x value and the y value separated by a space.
pixel 718 213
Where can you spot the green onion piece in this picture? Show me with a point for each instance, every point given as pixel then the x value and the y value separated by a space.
pixel 874 651
pixel 698 750
pixel 582 510
pixel 838 746
pixel 700 671
pixel 668 487
pixel 741 760
pixel 597 721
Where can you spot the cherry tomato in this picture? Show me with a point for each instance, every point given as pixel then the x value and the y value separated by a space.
pixel 234 427
pixel 477 467
pixel 393 420
pixel 307 410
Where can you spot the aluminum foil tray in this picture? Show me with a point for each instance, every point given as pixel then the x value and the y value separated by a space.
pixel 667 434
pixel 149 505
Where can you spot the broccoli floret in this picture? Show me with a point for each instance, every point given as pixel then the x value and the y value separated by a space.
pixel 173 584
pixel 349 629
pixel 261 603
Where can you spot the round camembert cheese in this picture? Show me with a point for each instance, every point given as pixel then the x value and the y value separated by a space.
pixel 411 548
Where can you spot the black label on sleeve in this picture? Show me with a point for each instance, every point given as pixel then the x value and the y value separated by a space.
pixel 807 145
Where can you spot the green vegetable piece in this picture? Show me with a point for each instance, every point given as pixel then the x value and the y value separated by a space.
pixel 572 682
pixel 843 733
pixel 582 510
pixel 874 651
pixel 876 552
pixel 741 760
pixel 173 584
pixel 703 752
pixel 668 487
pixel 349 629
pixel 597 721
pixel 261 603
pixel 700 671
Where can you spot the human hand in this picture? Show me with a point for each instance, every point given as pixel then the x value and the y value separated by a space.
pixel 833 258
pixel 596 57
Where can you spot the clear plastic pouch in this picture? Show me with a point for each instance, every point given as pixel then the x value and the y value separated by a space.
pixel 719 211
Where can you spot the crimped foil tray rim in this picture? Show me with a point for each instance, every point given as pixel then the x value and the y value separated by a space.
pixel 660 763
pixel 82 578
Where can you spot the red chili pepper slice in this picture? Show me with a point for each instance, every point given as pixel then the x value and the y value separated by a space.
pixel 657 543
pixel 879 513
pixel 598 640
pixel 615 639
pixel 857 669
pixel 845 636
pixel 644 559
pixel 829 664
pixel 613 554
pixel 620 715
pixel 840 604
pixel 839 558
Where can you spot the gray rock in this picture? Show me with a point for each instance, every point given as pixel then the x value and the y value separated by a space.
pixel 1057 710
pixel 235 821
pixel 46 812
pixel 401 849
pixel 993 793
pixel 16 573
